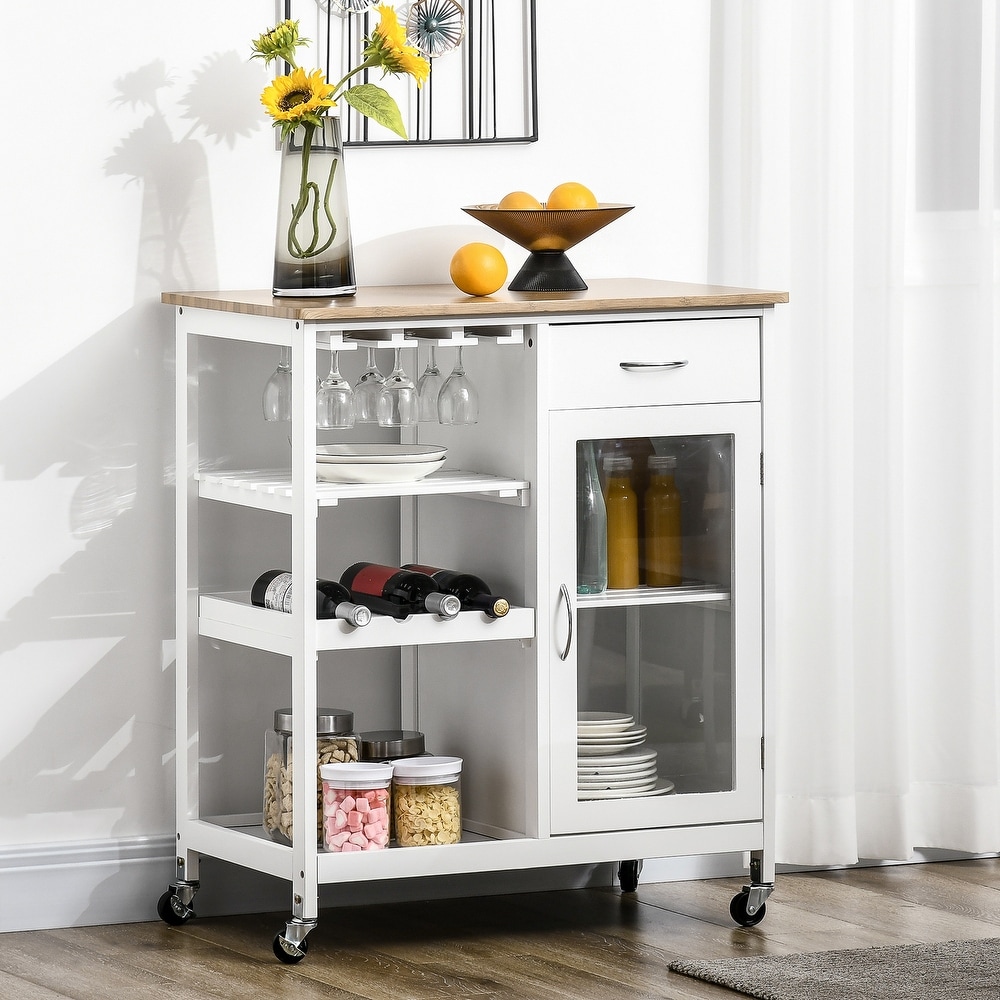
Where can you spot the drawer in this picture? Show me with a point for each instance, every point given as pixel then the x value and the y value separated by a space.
pixel 647 363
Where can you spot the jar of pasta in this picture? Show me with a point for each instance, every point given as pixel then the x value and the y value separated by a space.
pixel 427 801
pixel 336 742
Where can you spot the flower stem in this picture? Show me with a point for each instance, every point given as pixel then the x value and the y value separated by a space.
pixel 309 196
pixel 354 72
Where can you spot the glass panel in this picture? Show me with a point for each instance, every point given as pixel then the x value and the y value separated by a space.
pixel 655 685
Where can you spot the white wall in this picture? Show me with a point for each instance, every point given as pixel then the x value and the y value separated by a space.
pixel 122 182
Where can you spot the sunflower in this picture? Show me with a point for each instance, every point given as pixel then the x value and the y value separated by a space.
pixel 387 48
pixel 279 43
pixel 296 98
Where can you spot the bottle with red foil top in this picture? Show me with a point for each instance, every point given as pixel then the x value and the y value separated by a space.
pixel 471 590
pixel 392 590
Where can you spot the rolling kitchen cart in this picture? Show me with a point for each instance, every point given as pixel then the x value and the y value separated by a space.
pixel 668 684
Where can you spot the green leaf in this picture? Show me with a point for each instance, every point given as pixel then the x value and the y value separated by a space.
pixel 375 103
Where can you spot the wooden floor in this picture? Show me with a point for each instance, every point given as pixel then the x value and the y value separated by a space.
pixel 590 944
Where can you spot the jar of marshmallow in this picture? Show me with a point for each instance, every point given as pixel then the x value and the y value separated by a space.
pixel 356 805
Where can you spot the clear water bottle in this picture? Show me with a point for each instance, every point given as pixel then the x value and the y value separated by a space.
pixel 591 524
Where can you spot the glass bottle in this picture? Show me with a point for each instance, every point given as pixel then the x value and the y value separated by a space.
pixel 391 590
pixel 663 523
pixel 471 590
pixel 273 590
pixel 623 524
pixel 591 524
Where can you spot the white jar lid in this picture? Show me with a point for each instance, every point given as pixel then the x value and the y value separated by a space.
pixel 427 767
pixel 357 774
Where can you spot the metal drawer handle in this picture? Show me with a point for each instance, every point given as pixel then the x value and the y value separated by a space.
pixel 651 366
pixel 564 594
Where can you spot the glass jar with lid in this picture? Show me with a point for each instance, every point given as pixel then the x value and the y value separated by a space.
pixel 391 744
pixel 427 801
pixel 336 742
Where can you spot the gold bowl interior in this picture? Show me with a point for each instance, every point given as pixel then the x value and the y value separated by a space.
pixel 543 229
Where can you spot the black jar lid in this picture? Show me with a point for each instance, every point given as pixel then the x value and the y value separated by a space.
pixel 329 721
pixel 387 744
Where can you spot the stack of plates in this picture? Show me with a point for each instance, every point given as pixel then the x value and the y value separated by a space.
pixel 611 761
pixel 378 463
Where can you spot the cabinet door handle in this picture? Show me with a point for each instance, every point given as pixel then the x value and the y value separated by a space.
pixel 651 366
pixel 564 594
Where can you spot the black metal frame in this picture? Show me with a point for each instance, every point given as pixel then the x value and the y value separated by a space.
pixel 477 55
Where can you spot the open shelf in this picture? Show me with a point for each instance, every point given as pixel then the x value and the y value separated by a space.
pixel 250 847
pixel 232 618
pixel 271 489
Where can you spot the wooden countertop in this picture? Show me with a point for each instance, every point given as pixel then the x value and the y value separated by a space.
pixel 375 302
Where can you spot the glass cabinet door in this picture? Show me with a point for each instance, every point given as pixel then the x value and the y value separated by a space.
pixel 656 705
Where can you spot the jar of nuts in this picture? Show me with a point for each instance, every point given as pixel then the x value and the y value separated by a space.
pixel 427 801
pixel 336 742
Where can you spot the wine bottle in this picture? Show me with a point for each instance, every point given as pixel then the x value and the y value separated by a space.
pixel 471 590
pixel 273 590
pixel 395 591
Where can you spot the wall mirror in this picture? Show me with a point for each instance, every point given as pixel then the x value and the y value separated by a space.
pixel 481 91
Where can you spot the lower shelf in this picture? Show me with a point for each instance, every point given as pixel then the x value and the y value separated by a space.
pixel 248 846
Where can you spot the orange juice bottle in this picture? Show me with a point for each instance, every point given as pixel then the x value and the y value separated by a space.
pixel 663 524
pixel 623 523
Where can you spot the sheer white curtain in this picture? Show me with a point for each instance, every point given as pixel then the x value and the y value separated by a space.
pixel 854 163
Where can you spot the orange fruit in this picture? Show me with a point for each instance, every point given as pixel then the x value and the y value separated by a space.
pixel 519 199
pixel 571 194
pixel 478 269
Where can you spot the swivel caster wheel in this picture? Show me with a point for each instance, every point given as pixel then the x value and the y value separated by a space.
pixel 738 910
pixel 628 875
pixel 288 951
pixel 171 910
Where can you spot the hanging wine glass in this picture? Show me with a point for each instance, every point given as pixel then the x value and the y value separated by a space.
pixel 366 391
pixel 428 389
pixel 458 402
pixel 335 398
pixel 397 402
pixel 276 400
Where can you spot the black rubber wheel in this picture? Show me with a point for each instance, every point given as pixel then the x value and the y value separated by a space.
pixel 738 911
pixel 172 911
pixel 628 875
pixel 287 952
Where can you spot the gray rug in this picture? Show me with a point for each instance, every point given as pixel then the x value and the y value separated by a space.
pixel 953 970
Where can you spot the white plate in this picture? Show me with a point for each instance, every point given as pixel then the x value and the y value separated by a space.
pixel 401 472
pixel 614 773
pixel 640 784
pixel 631 758
pixel 662 787
pixel 603 749
pixel 593 723
pixel 379 454
pixel 635 733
